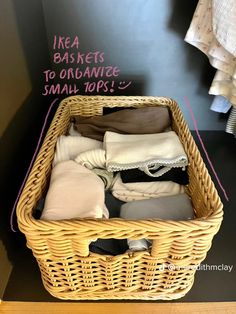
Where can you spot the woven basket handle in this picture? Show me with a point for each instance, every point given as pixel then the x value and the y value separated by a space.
pixel 156 248
pixel 81 247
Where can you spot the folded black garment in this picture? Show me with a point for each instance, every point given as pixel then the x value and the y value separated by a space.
pixel 176 175
pixel 109 246
pixel 37 211
pixel 113 205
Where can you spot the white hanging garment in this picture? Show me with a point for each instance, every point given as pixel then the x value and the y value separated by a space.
pixel 224 23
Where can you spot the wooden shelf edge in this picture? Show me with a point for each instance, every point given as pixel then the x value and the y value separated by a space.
pixel 9 307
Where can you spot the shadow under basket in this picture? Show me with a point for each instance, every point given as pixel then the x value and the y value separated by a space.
pixel 69 271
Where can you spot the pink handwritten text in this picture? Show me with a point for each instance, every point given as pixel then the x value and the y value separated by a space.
pixel 72 79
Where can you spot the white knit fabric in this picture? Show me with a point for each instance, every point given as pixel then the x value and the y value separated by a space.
pixel 92 159
pixel 69 147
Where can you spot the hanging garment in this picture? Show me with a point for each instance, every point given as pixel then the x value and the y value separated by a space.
pixel 220 104
pixel 231 124
pixel 224 26
pixel 200 34
pixel 213 31
pixel 223 84
pixel 128 121
pixel 74 192
pixel 69 147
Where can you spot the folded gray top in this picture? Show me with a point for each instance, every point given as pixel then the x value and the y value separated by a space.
pixel 175 207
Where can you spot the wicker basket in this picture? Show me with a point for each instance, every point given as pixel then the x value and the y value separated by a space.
pixel 70 271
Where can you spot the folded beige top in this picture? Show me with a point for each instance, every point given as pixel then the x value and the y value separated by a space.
pixel 74 192
pixel 144 151
pixel 128 192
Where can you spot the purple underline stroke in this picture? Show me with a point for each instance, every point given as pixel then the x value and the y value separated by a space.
pixel 30 166
pixel 203 146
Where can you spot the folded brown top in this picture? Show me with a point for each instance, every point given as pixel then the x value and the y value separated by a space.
pixel 146 120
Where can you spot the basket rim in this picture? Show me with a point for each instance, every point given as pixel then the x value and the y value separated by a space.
pixel 27 219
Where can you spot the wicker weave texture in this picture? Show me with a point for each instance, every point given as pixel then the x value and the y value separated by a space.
pixel 70 271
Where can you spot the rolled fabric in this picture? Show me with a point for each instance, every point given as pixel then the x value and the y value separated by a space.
pixel 92 159
pixel 69 147
pixel 128 192
pixel 161 152
pixel 74 192
pixel 138 245
pixel 128 121
pixel 175 207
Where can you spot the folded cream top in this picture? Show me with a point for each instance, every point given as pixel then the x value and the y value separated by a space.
pixel 143 150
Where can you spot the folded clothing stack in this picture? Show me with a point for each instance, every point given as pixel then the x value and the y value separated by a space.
pixel 135 157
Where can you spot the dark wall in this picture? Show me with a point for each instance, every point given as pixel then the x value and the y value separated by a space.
pixel 19 139
pixel 145 38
